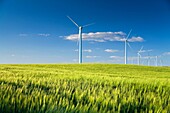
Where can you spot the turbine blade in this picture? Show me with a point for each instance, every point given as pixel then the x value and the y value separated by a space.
pixel 149 50
pixel 73 21
pixel 88 25
pixel 129 34
pixel 141 49
pixel 129 46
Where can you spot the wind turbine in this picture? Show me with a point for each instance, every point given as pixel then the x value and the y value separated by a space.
pixel 80 37
pixel 139 55
pixel 161 62
pixel 157 58
pixel 148 59
pixel 127 42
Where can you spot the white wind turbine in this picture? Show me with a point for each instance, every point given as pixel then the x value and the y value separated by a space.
pixel 127 42
pixel 80 37
pixel 148 57
pixel 161 62
pixel 158 58
pixel 139 55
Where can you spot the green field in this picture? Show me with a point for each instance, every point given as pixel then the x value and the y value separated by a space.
pixel 86 88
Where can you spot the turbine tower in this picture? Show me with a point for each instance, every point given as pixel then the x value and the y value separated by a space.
pixel 156 60
pixel 127 42
pixel 139 55
pixel 80 37
pixel 148 59
pixel 161 62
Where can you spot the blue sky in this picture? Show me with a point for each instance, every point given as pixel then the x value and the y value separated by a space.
pixel 38 31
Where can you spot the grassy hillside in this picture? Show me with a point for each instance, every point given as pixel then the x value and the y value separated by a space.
pixel 83 88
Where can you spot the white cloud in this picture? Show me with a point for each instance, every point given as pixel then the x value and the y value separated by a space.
pixel 23 35
pixel 149 50
pixel 116 57
pixel 136 39
pixel 120 33
pixel 166 53
pixel 146 57
pixel 40 34
pixel 117 61
pixel 103 37
pixel 92 56
pixel 144 51
pixel 100 40
pixel 43 34
pixel 13 55
pixel 132 58
pixel 86 50
pixel 75 60
pixel 111 51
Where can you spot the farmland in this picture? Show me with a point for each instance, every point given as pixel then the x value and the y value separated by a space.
pixel 86 88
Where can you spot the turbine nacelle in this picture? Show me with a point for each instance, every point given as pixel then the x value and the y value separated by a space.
pixel 138 53
pixel 141 50
pixel 80 27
